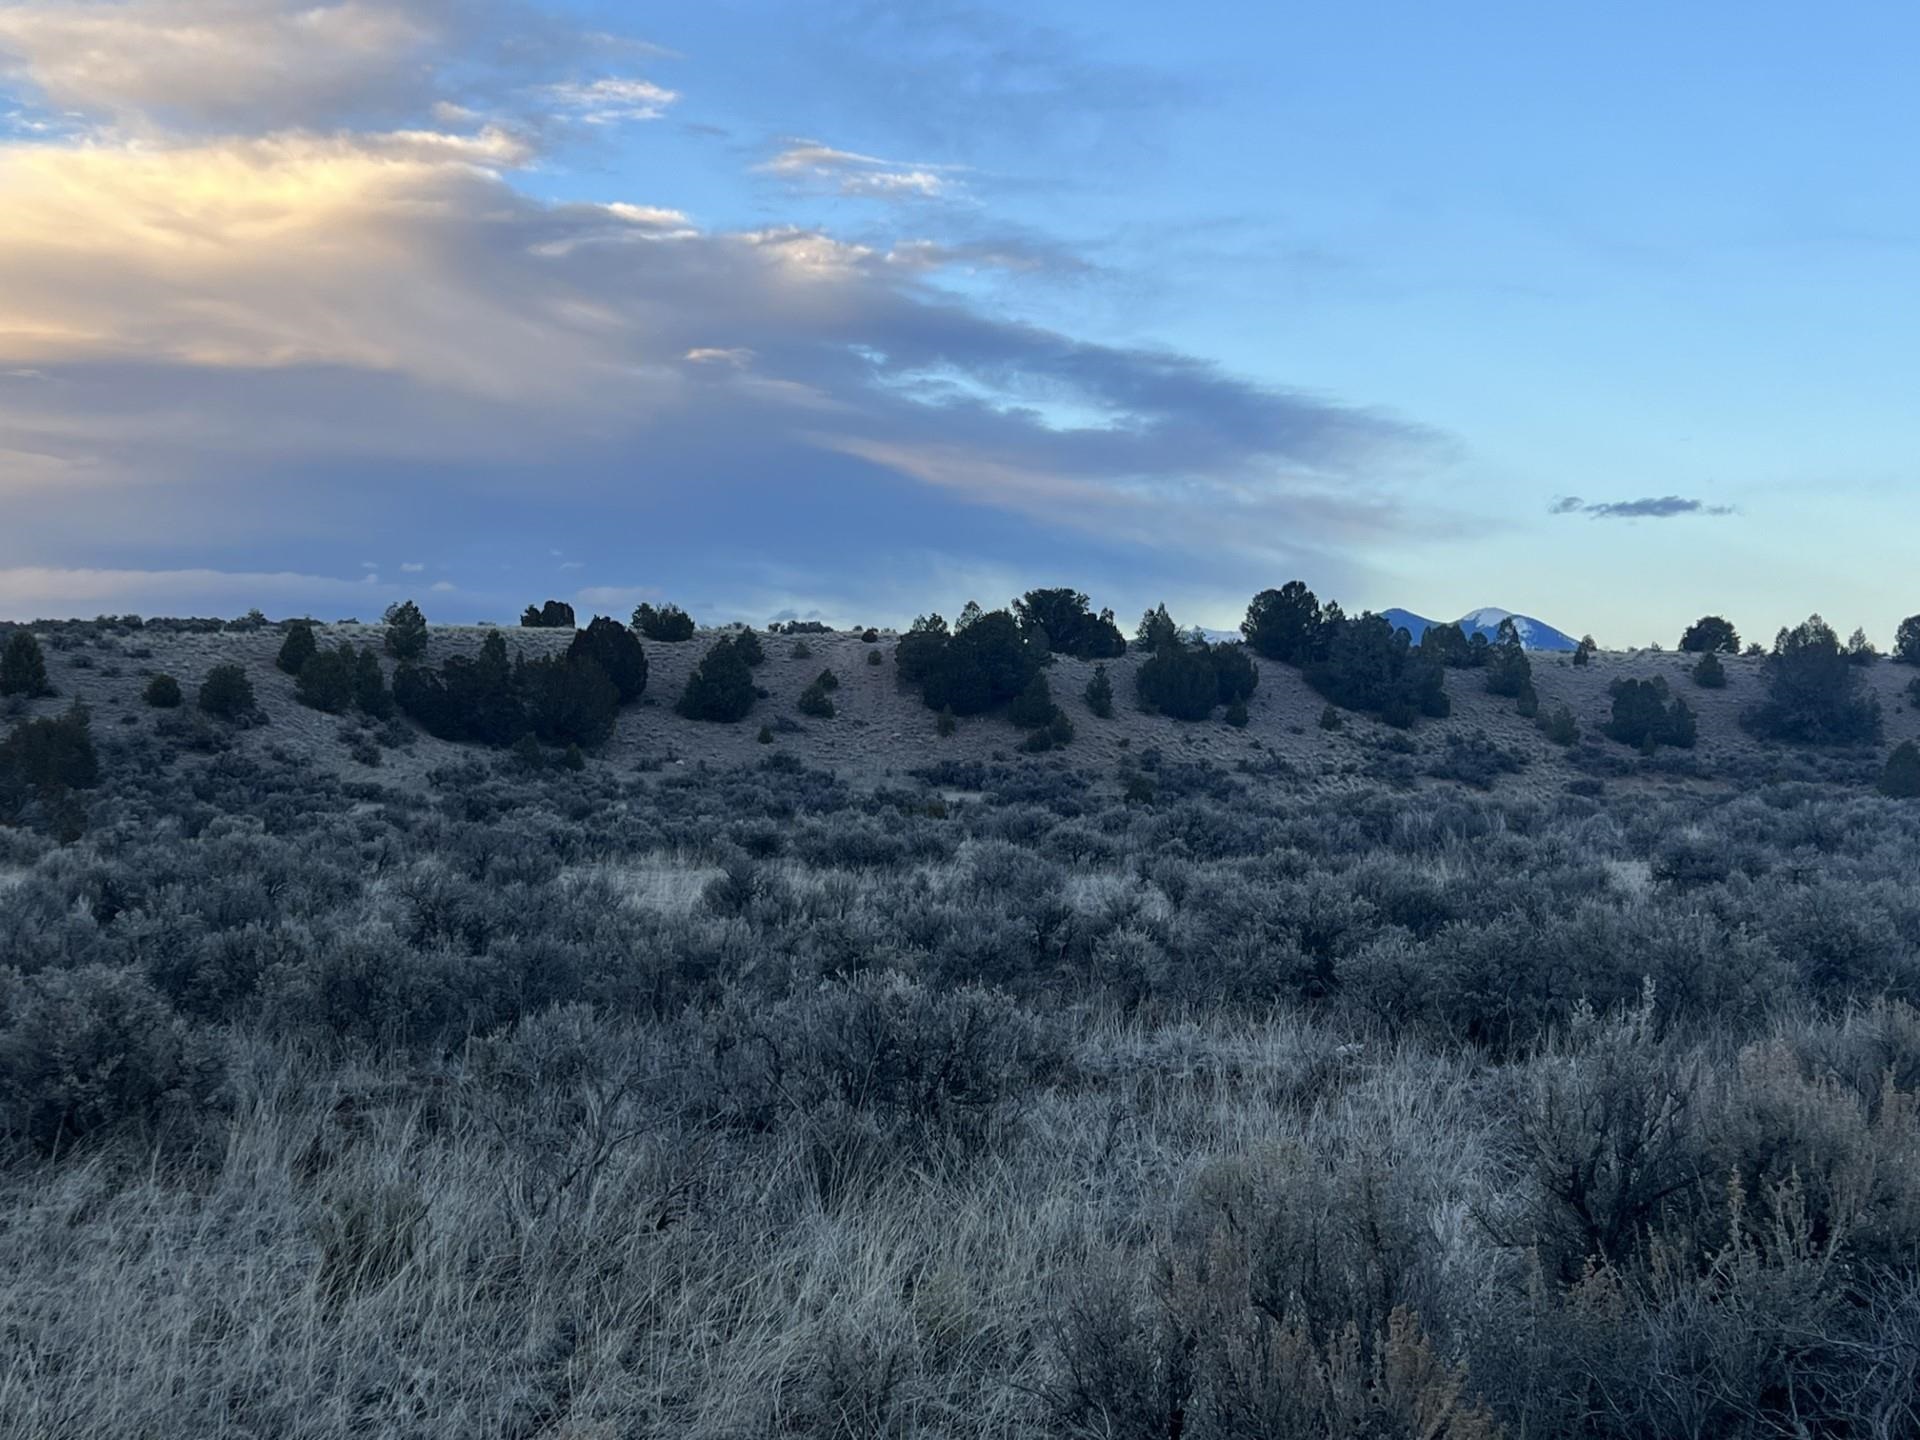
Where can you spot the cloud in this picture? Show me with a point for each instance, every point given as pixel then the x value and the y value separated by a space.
pixel 294 306
pixel 218 62
pixel 811 165
pixel 612 100
pixel 294 253
pixel 251 66
pixel 1664 507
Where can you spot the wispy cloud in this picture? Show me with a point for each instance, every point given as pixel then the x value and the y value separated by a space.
pixel 1663 507
pixel 810 164
pixel 612 100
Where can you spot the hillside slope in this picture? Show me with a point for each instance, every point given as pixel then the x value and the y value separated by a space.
pixel 882 730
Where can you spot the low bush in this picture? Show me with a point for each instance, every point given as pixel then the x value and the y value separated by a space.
pixel 226 693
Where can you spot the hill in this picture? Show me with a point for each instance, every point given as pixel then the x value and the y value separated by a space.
pixel 881 730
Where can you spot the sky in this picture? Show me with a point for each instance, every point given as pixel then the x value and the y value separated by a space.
pixel 1609 315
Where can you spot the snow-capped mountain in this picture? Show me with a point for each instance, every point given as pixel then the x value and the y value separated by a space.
pixel 1534 634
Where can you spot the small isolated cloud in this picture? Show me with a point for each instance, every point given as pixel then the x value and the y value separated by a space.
pixel 412 567
pixel 613 100
pixel 1662 507
pixel 736 357
pixel 442 587
pixel 809 164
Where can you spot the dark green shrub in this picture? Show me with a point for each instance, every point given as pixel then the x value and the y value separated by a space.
pixel 226 693
pixel 721 686
pixel 1033 707
pixel 1709 673
pixel 668 623
pixel 1179 680
pixel 1906 641
pixel 1284 624
pixel 370 694
pixel 162 692
pixel 1099 694
pixel 746 644
pixel 406 637
pixel 1901 777
pixel 1584 652
pixel 1814 695
pixel 23 668
pixel 1448 646
pixel 1235 675
pixel 326 681
pixel 1559 726
pixel 1475 760
pixel 479 699
pixel 90 1050
pixel 1860 650
pixel 568 701
pixel 527 753
pixel 765 737
pixel 1368 665
pixel 945 724
pixel 553 615
pixel 1509 672
pixel 1708 634
pixel 1071 628
pixel 298 648
pixel 45 758
pixel 1237 716
pixel 817 699
pixel 573 758
pixel 1642 716
pixel 1331 718
pixel 985 661
pixel 1156 630
pixel 618 653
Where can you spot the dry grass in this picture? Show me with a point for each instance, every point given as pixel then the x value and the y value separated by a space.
pixel 881 730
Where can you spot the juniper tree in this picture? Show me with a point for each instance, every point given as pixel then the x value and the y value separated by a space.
pixel 617 651
pixel 1710 633
pixel 1906 641
pixel 666 623
pixel 720 687
pixel 226 693
pixel 1901 777
pixel 23 668
pixel 1100 693
pixel 406 631
pixel 298 647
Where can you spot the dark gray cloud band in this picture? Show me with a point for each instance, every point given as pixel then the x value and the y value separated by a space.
pixel 1661 507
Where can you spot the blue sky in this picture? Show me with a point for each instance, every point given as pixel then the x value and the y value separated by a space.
pixel 1605 314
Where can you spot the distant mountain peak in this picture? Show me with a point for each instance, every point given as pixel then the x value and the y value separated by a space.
pixel 1534 634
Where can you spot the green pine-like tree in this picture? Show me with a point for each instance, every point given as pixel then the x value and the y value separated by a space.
pixel 406 631
pixel 23 669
